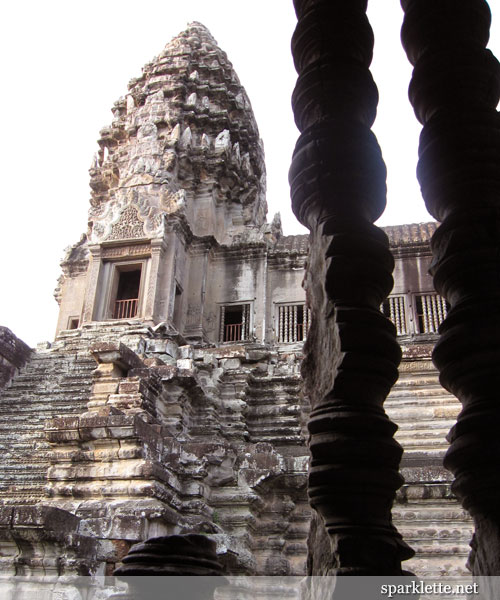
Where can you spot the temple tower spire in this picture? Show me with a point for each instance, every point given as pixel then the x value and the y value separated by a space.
pixel 179 171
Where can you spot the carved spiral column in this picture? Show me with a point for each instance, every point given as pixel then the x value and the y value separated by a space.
pixel 454 90
pixel 190 560
pixel 338 187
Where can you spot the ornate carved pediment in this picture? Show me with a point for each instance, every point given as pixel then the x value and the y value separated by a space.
pixel 127 222
pixel 129 226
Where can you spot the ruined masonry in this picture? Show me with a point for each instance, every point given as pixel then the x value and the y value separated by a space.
pixel 170 400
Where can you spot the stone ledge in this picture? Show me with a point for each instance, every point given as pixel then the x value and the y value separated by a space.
pixel 117 354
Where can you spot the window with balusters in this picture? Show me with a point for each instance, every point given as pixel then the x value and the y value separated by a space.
pixel 234 322
pixel 418 313
pixel 394 308
pixel 126 302
pixel 293 322
pixel 430 312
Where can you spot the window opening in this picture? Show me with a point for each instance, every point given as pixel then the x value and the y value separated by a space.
pixel 177 306
pixel 235 322
pixel 431 310
pixel 74 322
pixel 293 322
pixel 395 310
pixel 127 295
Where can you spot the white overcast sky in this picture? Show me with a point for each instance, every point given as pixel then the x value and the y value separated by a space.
pixel 65 63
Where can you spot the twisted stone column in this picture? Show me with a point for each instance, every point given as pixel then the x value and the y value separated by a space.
pixel 454 90
pixel 338 190
pixel 190 561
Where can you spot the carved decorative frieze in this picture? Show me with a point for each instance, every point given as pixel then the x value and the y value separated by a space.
pixel 125 251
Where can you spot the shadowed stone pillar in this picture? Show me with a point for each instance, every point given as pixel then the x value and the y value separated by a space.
pixel 454 90
pixel 338 190
pixel 190 559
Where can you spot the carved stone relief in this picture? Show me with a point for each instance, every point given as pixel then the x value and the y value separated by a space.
pixel 124 251
pixel 125 220
pixel 129 226
pixel 172 202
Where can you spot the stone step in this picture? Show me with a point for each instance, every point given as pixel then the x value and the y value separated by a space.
pixel 424 392
pixel 51 384
pixel 441 566
pixel 417 384
pixel 60 400
pixel 423 445
pixel 12 473
pixel 424 412
pixel 409 399
pixel 407 424
pixel 422 433
pixel 420 379
pixel 31 381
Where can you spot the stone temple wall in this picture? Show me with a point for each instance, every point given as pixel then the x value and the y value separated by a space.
pixel 138 433
pixel 187 414
pixel 165 439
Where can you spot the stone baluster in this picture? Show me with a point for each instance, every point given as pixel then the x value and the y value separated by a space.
pixel 190 560
pixel 338 187
pixel 455 90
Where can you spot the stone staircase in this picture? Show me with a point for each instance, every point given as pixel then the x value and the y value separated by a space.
pixel 273 410
pixel 426 512
pixel 422 409
pixel 55 382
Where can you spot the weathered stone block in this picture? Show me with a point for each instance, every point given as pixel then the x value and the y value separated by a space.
pixel 130 385
pixel 229 352
pixel 185 363
pixel 105 387
pixel 230 363
pixel 117 354
pixel 257 355
pixel 60 436
pixel 6 515
pixel 210 359
pixel 166 372
pixel 185 352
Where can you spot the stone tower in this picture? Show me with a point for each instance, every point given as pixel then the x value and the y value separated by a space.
pixel 181 294
pixel 179 172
